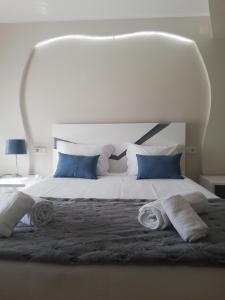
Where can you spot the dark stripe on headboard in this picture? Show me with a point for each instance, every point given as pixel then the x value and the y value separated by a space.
pixel 152 132
pixel 57 139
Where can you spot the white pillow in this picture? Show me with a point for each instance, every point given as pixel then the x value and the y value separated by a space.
pixel 105 151
pixel 12 208
pixel 133 149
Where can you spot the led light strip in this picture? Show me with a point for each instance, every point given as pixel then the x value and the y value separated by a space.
pixel 115 37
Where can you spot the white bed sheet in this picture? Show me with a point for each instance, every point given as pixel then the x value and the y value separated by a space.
pixel 114 186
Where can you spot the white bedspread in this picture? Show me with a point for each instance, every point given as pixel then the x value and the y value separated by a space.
pixel 114 187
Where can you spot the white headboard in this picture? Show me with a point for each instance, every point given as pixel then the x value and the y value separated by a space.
pixel 120 134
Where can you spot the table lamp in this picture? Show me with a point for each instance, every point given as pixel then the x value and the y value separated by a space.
pixel 16 147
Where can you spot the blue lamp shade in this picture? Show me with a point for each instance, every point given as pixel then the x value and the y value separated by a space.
pixel 15 146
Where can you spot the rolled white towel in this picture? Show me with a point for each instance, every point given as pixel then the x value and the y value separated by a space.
pixel 184 219
pixel 153 216
pixel 40 214
pixel 13 206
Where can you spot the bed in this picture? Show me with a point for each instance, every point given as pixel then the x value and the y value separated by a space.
pixel 97 85
pixel 40 279
pixel 56 280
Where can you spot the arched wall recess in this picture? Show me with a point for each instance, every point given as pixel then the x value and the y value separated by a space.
pixel 138 77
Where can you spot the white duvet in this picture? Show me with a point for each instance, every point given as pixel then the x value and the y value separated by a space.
pixel 114 186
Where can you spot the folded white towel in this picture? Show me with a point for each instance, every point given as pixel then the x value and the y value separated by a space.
pixel 184 219
pixel 13 207
pixel 40 214
pixel 198 201
pixel 153 216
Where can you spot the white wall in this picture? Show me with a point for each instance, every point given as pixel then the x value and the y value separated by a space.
pixel 17 41
pixel 143 78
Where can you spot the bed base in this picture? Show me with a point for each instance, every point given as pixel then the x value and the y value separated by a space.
pixel 52 282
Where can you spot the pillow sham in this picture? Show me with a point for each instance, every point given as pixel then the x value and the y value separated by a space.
pixel 133 150
pixel 159 166
pixel 104 152
pixel 77 166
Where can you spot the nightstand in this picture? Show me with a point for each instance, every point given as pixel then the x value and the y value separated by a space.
pixel 18 183
pixel 215 184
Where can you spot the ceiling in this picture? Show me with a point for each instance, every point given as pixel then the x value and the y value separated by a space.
pixel 68 10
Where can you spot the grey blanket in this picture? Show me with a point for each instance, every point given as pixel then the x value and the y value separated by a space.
pixel 107 232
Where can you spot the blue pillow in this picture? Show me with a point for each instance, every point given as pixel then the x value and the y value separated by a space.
pixel 159 166
pixel 77 166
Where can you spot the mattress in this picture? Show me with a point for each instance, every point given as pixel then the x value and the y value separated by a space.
pixel 114 186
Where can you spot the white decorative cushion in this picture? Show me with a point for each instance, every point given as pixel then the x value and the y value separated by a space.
pixel 133 150
pixel 105 151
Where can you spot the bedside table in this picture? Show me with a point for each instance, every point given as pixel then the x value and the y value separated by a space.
pixel 215 184
pixel 18 183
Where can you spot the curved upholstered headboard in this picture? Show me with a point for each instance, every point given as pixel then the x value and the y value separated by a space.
pixel 142 77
